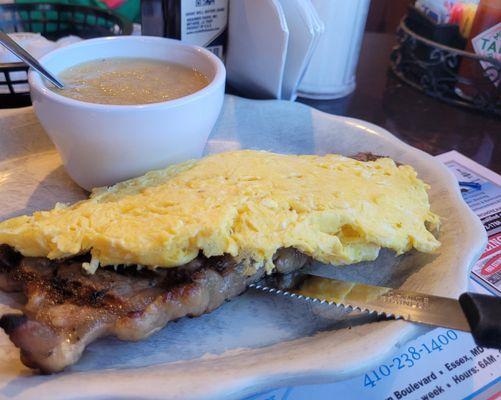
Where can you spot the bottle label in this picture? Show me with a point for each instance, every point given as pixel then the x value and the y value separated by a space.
pixel 488 43
pixel 203 23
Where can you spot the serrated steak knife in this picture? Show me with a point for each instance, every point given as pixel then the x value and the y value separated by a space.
pixel 476 313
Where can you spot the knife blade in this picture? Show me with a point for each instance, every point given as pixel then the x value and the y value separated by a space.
pixel 475 313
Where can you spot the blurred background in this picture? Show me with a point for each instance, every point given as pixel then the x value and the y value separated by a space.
pixel 367 64
pixel 385 15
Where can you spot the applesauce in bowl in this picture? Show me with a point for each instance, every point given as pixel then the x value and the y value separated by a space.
pixel 126 81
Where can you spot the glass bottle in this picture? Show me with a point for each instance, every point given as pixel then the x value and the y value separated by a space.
pixel 199 22
pixel 485 40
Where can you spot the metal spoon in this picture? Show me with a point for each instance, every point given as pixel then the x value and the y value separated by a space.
pixel 28 58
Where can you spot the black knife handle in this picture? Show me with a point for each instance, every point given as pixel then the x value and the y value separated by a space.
pixel 483 313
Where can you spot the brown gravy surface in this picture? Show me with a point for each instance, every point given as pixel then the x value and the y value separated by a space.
pixel 129 81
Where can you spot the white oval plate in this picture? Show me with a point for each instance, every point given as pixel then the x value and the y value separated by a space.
pixel 256 341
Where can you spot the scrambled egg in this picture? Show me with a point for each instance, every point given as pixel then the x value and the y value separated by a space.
pixel 245 203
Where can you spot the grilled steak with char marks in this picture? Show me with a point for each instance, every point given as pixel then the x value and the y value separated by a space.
pixel 66 308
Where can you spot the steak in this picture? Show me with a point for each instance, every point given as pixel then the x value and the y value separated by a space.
pixel 66 309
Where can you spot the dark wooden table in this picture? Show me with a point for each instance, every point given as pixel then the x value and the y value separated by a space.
pixel 417 119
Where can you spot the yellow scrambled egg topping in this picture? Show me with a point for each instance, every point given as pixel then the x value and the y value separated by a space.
pixel 245 203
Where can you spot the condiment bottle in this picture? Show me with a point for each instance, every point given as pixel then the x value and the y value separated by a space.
pixel 199 22
pixel 485 40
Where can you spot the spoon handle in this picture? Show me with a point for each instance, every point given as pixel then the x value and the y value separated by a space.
pixel 27 58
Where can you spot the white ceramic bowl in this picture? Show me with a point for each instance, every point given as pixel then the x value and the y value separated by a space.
pixel 104 144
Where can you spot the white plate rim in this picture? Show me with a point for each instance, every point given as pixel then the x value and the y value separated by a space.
pixel 252 377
